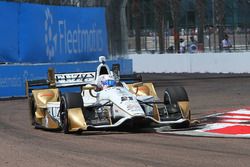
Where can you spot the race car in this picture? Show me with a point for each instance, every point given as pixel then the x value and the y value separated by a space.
pixel 105 100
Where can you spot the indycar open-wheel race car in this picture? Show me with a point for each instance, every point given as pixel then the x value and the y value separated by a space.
pixel 122 102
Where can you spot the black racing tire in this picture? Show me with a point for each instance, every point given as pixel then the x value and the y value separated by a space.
pixel 174 94
pixel 69 100
pixel 32 106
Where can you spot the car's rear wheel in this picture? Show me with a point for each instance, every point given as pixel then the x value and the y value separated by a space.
pixel 68 101
pixel 32 107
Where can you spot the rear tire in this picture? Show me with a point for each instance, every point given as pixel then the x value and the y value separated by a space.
pixel 32 107
pixel 69 100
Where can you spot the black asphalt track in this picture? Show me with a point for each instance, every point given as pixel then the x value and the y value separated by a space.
pixel 23 146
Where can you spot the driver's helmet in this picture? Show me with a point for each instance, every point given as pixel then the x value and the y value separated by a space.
pixel 106 81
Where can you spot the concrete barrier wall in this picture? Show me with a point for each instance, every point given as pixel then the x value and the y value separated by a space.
pixel 13 76
pixel 192 63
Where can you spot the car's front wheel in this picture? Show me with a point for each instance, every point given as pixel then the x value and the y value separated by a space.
pixel 177 103
pixel 68 101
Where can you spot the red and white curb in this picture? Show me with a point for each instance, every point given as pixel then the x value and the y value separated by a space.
pixel 229 124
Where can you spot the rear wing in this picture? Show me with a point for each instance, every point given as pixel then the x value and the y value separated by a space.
pixel 61 80
pixel 76 79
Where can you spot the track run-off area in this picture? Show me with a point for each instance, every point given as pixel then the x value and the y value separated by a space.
pixel 211 97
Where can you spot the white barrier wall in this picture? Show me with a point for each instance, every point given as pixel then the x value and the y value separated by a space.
pixel 192 63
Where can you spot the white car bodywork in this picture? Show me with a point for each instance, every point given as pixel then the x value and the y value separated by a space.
pixel 112 107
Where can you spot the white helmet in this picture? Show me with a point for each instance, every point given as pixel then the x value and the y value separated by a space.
pixel 106 81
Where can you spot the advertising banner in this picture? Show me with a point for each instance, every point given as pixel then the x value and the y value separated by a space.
pixel 47 34
pixel 9 32
pixel 62 34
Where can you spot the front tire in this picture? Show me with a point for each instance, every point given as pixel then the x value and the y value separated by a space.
pixel 64 115
pixel 172 96
pixel 68 101
pixel 175 94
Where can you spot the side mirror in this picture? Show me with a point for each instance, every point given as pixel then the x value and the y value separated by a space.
pixel 137 85
pixel 88 87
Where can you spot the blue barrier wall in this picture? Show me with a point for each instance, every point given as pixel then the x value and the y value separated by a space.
pixel 8 32
pixel 41 34
pixel 13 77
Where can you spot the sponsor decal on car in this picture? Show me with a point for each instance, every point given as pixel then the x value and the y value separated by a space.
pixel 46 95
pixel 133 107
